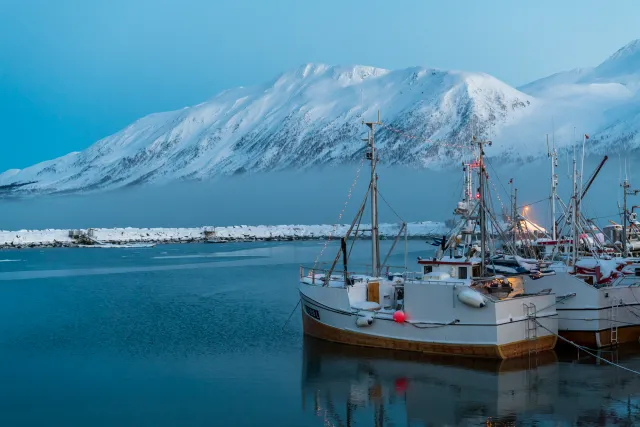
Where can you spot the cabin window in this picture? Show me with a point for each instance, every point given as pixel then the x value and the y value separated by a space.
pixel 462 272
pixel 428 269
pixel 476 271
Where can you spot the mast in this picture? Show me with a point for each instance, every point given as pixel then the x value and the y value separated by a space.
pixel 516 218
pixel 553 154
pixel 375 241
pixel 625 186
pixel 575 214
pixel 482 217
pixel 468 200
pixel 625 189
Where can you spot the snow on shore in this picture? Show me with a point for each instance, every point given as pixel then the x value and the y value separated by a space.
pixel 43 238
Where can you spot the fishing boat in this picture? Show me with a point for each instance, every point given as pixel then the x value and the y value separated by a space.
pixel 598 300
pixel 446 307
pixel 212 237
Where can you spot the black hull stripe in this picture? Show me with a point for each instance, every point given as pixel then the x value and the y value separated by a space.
pixel 598 330
pixel 333 310
pixel 558 308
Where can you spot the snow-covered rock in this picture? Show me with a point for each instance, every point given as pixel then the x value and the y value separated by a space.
pixel 33 238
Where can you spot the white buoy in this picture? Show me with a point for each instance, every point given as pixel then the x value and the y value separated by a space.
pixel 471 298
pixel 365 320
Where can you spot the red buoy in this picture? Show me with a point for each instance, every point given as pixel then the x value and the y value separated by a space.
pixel 401 385
pixel 399 316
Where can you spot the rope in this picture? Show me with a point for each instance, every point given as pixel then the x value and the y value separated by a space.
pixel 600 217
pixel 335 226
pixel 579 347
pixel 293 311
pixel 389 206
pixel 432 325
pixel 539 201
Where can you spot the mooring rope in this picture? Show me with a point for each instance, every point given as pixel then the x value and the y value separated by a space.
pixel 579 347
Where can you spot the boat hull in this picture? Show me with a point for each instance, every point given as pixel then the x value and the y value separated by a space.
pixel 317 329
pixel 587 315
pixel 498 331
pixel 599 339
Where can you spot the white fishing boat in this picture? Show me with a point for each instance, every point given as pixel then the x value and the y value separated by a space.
pixel 598 300
pixel 446 307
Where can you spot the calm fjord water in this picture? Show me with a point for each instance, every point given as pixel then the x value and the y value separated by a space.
pixel 191 335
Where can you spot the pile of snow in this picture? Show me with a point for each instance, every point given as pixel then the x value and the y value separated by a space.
pixel 32 238
pixel 608 268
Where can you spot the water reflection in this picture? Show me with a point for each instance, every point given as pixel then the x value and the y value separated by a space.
pixel 349 385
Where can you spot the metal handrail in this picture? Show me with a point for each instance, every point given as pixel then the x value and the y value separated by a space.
pixel 312 272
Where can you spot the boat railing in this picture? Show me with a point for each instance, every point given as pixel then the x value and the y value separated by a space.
pixel 319 272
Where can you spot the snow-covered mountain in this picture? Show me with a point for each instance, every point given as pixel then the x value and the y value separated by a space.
pixel 305 117
pixel 603 101
pixel 312 116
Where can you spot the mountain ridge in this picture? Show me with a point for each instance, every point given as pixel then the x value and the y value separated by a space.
pixel 305 117
pixel 311 115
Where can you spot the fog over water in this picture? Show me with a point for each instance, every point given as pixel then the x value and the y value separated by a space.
pixel 313 197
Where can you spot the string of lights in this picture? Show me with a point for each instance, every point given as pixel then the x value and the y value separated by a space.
pixel 335 226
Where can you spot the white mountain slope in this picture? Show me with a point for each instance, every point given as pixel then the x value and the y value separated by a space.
pixel 602 101
pixel 306 117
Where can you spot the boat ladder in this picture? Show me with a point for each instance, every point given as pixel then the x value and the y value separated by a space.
pixel 613 320
pixel 531 324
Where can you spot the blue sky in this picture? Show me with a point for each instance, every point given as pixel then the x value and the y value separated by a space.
pixel 74 71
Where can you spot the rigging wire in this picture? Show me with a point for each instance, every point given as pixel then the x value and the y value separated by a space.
pixel 389 206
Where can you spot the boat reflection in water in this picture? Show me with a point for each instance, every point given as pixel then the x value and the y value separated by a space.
pixel 349 385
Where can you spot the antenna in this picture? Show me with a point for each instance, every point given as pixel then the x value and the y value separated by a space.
pixel 553 132
pixel 626 173
pixel 619 168
pixel 548 150
pixel 626 192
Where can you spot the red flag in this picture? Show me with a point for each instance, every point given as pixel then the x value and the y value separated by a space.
pixel 586 136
